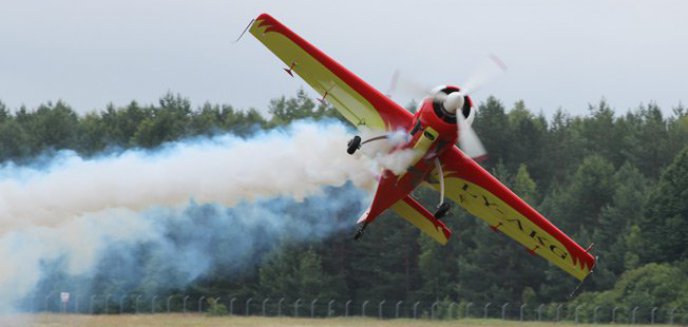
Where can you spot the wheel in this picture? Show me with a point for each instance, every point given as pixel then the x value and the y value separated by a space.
pixel 359 232
pixel 442 210
pixel 358 235
pixel 354 144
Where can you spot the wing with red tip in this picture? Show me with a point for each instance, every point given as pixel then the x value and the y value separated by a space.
pixel 482 195
pixel 356 100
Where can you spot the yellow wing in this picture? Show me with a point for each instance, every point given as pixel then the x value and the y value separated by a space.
pixel 482 195
pixel 356 100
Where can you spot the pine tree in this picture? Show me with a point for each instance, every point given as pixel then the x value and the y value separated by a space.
pixel 665 222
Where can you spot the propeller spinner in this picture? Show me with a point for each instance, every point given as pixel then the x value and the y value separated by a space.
pixel 468 139
pixel 453 102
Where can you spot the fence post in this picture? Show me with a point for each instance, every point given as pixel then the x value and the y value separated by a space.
pixel 186 298
pixel 45 302
pixel 594 314
pixel 453 311
pixel 296 307
pixel 167 302
pixel 487 306
pixel 396 310
pixel 200 304
pixel 231 306
pixel 62 306
pixel 76 304
pixel 248 306
pixel 346 308
pixel 652 315
pixel 614 314
pixel 539 311
pixel 279 307
pixel 363 307
pixel 107 303
pixel 313 307
pixel 121 304
pixel 265 301
pixel 379 309
pixel 92 297
pixel 468 309
pixel 504 306
pixel 153 303
pixel 415 310
pixel 576 312
pixel 633 314
pixel 671 315
pixel 329 308
pixel 138 297
pixel 65 306
pixel 520 312
pixel 559 312
pixel 432 309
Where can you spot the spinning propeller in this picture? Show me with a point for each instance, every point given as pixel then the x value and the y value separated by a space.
pixel 453 102
pixel 468 139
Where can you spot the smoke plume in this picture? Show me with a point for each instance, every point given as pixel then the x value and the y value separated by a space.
pixel 71 218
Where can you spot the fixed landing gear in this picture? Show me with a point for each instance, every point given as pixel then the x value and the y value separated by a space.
pixel 354 144
pixel 361 228
pixel 442 210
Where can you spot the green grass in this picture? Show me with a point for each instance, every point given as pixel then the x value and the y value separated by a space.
pixel 196 320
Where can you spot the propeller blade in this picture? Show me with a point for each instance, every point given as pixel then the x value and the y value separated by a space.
pixel 469 142
pixel 468 139
pixel 491 68
pixel 402 84
pixel 393 83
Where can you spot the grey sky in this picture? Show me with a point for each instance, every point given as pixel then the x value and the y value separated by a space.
pixel 559 53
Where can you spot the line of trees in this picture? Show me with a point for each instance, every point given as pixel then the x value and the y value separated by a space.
pixel 618 180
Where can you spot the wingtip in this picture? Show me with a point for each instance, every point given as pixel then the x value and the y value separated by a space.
pixel 263 16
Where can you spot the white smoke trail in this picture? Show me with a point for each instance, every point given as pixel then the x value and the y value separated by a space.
pixel 76 211
pixel 297 161
pixel 80 240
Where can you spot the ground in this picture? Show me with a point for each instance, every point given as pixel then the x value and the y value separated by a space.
pixel 195 320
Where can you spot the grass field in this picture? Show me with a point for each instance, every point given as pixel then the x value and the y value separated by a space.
pixel 193 320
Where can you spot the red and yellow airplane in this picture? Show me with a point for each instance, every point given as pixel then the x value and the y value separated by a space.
pixel 442 119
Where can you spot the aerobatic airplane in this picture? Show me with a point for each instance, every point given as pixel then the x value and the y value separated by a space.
pixel 443 118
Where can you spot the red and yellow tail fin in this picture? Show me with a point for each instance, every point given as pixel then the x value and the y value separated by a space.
pixel 420 217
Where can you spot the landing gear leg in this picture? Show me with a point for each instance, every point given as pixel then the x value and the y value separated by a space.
pixel 443 208
pixel 361 228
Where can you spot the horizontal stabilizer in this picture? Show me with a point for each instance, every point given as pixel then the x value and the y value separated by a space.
pixel 420 217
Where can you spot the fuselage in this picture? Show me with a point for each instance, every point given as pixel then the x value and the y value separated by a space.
pixel 432 132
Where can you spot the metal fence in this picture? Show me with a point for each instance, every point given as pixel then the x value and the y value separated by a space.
pixel 382 309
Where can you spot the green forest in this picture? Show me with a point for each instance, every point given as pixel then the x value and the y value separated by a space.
pixel 618 179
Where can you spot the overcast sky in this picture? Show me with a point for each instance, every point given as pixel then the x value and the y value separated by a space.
pixel 560 54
